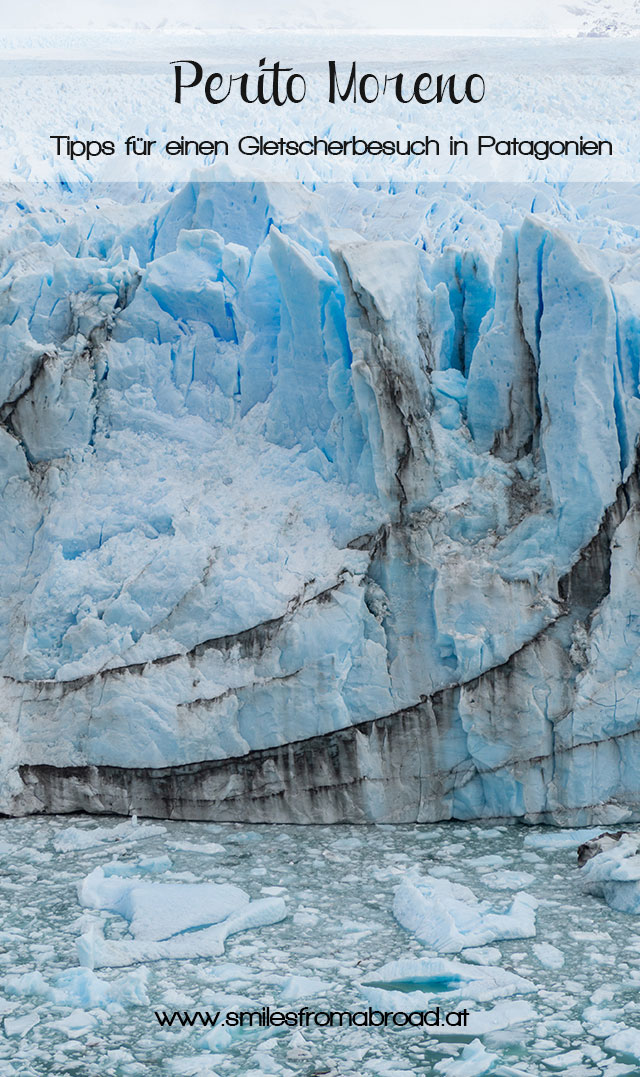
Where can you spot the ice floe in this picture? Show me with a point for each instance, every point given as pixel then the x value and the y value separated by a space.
pixel 74 838
pixel 474 1061
pixel 419 981
pixel 548 955
pixel 298 987
pixel 94 951
pixel 447 916
pixel 159 910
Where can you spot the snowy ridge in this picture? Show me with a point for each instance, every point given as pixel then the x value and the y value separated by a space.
pixel 308 481
pixel 613 18
pixel 495 17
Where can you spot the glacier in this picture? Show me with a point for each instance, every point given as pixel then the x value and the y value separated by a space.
pixel 320 501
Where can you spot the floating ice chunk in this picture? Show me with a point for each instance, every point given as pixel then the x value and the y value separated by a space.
pixel 614 874
pixel 602 1023
pixel 474 1061
pixel 484 955
pixel 347 844
pixel 26 984
pixel 359 927
pixel 507 880
pixel 19 1026
pixel 229 970
pixel 207 849
pixel 483 1022
pixel 514 1071
pixel 149 865
pixel 94 951
pixel 489 860
pixel 160 910
pixel 81 988
pixel 76 1024
pixel 560 839
pixel 74 837
pixel 191 1066
pixel 548 955
pixel 625 1042
pixel 222 1037
pixel 563 1061
pixel 305 918
pixel 448 917
pixel 383 1068
pixel 419 982
pixel 295 987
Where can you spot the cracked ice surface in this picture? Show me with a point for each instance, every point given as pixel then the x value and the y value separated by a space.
pixel 280 461
pixel 565 1001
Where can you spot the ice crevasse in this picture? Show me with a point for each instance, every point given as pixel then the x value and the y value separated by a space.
pixel 320 504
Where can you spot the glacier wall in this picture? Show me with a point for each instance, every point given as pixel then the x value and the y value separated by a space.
pixel 320 503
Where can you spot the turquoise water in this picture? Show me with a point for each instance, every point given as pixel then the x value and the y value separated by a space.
pixel 338 883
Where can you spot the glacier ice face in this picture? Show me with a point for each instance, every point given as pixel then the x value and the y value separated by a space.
pixel 320 503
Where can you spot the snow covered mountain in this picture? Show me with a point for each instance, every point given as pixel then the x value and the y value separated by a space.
pixel 495 17
pixel 611 18
pixel 321 504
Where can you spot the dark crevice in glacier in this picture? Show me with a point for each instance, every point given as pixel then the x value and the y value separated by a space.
pixel 248 643
pixel 8 409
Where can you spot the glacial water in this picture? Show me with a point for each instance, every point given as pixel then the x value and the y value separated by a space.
pixel 338 883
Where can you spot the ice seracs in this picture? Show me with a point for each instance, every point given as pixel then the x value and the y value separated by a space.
pixel 328 503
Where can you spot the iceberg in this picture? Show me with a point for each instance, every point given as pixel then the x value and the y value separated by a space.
pixel 448 917
pixel 474 1060
pixel 95 952
pixel 614 873
pixel 166 919
pixel 418 981
pixel 160 910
